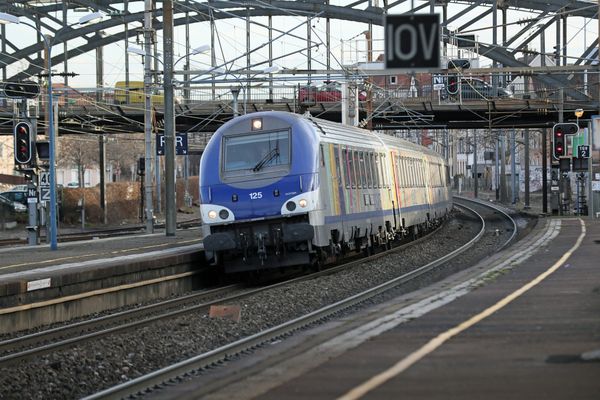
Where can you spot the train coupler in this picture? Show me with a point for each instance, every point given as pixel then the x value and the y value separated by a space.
pixel 262 249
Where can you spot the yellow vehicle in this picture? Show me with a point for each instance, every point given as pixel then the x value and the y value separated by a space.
pixel 136 93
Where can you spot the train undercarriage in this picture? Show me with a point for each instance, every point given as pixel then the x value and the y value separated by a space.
pixel 288 242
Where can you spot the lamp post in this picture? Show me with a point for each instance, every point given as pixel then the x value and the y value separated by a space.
pixel 86 19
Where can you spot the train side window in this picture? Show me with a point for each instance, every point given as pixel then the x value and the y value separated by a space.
pixel 405 173
pixel 416 166
pixel 399 171
pixel 357 172
pixel 348 168
pixel 377 171
pixel 369 166
pixel 373 170
pixel 384 181
pixel 415 173
pixel 352 157
pixel 369 180
pixel 402 171
pixel 387 172
pixel 338 164
pixel 429 175
pixel 363 169
pixel 431 182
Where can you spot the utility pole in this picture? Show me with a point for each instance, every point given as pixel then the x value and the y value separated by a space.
pixel 170 206
pixel 527 172
pixel 475 166
pixel 503 194
pixel 102 157
pixel 513 167
pixel 544 170
pixel 148 116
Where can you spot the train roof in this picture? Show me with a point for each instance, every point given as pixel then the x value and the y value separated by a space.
pixel 354 135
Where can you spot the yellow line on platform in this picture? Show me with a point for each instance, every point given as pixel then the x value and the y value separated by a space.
pixel 436 342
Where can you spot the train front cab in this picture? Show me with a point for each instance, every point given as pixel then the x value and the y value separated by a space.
pixel 265 185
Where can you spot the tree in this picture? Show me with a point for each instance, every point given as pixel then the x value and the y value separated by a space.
pixel 123 151
pixel 79 151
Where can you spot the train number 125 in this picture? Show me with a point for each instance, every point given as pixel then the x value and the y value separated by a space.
pixel 255 195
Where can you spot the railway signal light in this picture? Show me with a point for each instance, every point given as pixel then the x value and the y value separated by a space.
pixel 21 90
pixel 23 143
pixel 559 138
pixel 452 85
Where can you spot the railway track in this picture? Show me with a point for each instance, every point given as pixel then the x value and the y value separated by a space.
pixel 46 341
pixel 203 360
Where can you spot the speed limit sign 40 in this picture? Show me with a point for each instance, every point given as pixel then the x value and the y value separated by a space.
pixel 44 179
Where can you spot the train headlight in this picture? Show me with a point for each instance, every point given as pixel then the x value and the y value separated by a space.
pixel 290 205
pixel 224 214
pixel 257 124
pixel 302 203
pixel 212 214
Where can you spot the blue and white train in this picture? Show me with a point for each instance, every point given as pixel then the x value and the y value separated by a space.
pixel 280 189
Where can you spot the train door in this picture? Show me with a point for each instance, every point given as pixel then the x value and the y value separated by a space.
pixel 396 192
pixel 428 182
pixel 337 180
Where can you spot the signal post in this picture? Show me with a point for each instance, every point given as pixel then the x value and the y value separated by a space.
pixel 561 165
pixel 25 146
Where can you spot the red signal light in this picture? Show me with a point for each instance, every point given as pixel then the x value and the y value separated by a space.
pixel 23 142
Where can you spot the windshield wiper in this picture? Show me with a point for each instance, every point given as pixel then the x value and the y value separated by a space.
pixel 268 157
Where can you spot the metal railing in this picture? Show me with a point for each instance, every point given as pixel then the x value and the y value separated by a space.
pixel 472 89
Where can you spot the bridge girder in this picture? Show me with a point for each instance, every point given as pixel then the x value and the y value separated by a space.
pixel 357 11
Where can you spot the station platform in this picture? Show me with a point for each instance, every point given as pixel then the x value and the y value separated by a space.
pixel 523 324
pixel 52 281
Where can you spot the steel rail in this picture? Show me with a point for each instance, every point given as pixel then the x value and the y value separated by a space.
pixel 511 219
pixel 158 377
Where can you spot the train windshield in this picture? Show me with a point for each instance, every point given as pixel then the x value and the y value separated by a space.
pixel 256 151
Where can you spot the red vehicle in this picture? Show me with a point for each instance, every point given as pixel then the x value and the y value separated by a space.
pixel 329 91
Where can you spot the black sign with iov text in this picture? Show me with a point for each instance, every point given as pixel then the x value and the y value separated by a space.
pixel 412 41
